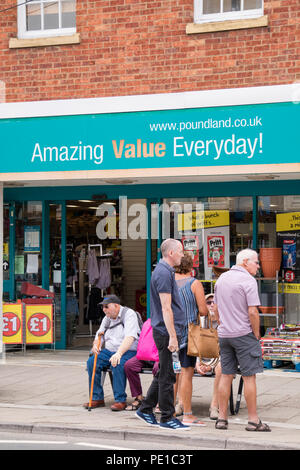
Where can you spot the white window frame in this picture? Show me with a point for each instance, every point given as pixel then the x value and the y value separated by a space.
pixel 24 34
pixel 199 17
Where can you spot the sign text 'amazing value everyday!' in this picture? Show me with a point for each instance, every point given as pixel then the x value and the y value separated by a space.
pixel 228 135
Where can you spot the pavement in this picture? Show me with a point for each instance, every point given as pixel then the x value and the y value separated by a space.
pixel 42 391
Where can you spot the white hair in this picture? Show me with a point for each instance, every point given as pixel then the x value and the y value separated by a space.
pixel 245 255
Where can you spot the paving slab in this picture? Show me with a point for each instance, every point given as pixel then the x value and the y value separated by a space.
pixel 43 391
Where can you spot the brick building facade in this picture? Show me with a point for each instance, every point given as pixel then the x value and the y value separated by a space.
pixel 130 47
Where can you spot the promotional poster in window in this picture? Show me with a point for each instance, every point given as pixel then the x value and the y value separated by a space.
pixel 288 238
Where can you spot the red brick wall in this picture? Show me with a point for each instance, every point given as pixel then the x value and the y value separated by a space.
pixel 140 46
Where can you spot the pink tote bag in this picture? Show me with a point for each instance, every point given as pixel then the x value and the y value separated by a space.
pixel 147 350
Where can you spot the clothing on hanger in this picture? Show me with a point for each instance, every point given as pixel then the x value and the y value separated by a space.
pixel 104 279
pixel 92 267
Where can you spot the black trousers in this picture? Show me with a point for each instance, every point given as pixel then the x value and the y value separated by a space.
pixel 161 390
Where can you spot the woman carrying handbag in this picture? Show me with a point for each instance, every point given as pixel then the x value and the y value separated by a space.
pixel 193 300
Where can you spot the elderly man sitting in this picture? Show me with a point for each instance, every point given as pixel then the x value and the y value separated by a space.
pixel 121 331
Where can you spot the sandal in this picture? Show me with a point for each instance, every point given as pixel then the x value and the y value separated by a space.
pixel 190 420
pixel 258 427
pixel 221 424
pixel 134 405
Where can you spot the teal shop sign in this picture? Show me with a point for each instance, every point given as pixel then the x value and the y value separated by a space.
pixel 229 135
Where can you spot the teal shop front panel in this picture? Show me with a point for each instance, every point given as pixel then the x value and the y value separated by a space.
pixel 228 135
pixel 150 191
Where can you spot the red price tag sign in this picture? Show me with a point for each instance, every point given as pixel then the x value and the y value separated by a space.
pixel 289 276
pixel 39 324
pixel 12 324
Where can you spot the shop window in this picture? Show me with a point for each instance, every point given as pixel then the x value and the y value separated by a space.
pixel 279 227
pixel 213 230
pixel 28 244
pixel 45 18
pixel 222 10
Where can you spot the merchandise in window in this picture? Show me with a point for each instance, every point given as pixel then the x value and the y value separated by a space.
pixel 42 18
pixel 279 229
pixel 222 10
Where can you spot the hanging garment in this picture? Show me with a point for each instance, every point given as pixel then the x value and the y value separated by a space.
pixel 104 279
pixel 92 267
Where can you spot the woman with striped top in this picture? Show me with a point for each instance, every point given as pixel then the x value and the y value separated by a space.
pixel 193 300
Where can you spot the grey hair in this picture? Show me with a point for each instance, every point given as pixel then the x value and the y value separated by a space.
pixel 169 245
pixel 244 255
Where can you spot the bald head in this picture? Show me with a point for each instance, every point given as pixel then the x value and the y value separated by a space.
pixel 172 251
pixel 169 245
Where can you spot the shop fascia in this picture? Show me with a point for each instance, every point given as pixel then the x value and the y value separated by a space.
pixel 252 126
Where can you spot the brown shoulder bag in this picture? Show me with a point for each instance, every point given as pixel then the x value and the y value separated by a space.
pixel 203 342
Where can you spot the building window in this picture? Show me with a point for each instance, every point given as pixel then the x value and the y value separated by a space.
pixel 222 10
pixel 44 18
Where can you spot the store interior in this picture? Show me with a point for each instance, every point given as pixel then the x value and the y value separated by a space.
pixel 97 266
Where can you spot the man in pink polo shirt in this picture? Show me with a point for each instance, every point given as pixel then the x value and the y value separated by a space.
pixel 236 300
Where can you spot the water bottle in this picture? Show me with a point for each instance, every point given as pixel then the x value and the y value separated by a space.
pixel 176 362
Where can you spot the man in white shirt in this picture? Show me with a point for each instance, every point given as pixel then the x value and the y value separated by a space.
pixel 121 330
pixel 236 305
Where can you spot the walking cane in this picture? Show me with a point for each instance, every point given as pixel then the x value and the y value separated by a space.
pixel 94 370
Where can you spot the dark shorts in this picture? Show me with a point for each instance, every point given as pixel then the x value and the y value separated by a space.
pixel 185 360
pixel 244 351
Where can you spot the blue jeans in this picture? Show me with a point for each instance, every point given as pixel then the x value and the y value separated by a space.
pixel 119 377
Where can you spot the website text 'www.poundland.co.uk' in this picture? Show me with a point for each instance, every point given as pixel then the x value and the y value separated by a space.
pixel 209 123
